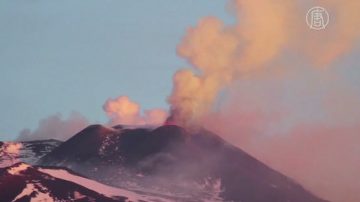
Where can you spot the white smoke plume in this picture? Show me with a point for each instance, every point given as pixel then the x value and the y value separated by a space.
pixel 122 110
pixel 265 33
pixel 55 127
pixel 287 106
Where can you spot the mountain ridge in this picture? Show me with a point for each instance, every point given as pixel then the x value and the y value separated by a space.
pixel 23 182
pixel 172 152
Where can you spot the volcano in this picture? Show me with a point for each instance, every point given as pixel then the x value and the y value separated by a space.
pixel 192 165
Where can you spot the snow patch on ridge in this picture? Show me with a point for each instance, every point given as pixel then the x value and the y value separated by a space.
pixel 29 189
pixel 9 153
pixel 27 152
pixel 98 187
pixel 16 170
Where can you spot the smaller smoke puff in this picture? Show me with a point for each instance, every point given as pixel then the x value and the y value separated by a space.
pixel 122 110
pixel 55 127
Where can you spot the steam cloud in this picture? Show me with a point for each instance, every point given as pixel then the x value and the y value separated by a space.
pixel 309 134
pixel 122 110
pixel 56 127
pixel 264 31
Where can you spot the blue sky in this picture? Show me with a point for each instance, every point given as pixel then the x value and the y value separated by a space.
pixel 64 56
pixel 60 56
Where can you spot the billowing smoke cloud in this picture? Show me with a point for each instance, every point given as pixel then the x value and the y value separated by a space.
pixel 264 31
pixel 122 110
pixel 284 103
pixel 339 37
pixel 56 127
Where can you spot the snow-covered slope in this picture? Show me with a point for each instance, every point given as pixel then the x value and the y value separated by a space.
pixel 28 152
pixel 22 182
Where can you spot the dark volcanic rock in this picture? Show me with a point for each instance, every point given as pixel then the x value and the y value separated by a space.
pixel 173 152
pixel 22 182
pixel 82 147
